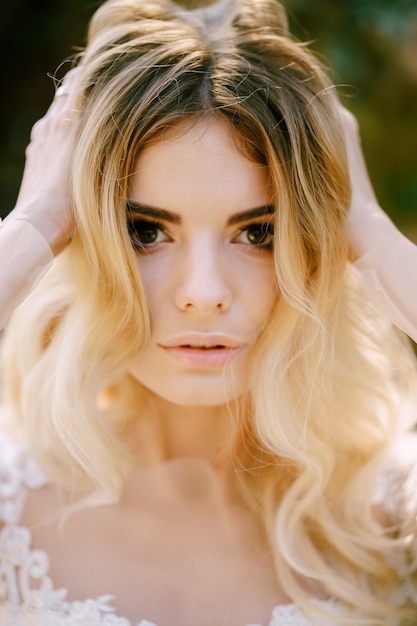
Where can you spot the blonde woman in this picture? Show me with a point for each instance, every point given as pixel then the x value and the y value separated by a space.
pixel 206 404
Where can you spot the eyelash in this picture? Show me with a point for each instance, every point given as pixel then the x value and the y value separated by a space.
pixel 265 230
pixel 134 225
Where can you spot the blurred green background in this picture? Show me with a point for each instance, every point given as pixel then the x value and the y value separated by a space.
pixel 370 47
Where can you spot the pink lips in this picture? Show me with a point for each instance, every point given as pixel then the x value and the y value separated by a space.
pixel 203 351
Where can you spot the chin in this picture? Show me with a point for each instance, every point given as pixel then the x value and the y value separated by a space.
pixel 194 390
pixel 201 396
pixel 199 399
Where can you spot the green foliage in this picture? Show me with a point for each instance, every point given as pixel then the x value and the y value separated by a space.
pixel 370 47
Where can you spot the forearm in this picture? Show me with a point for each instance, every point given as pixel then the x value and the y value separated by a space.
pixel 25 256
pixel 387 270
pixel 42 223
pixel 385 260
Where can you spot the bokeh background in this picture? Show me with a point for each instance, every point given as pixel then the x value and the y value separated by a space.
pixel 370 47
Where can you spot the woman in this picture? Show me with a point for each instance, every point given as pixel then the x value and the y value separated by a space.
pixel 218 411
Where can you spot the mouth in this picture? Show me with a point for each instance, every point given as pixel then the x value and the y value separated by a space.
pixel 203 341
pixel 203 354
pixel 193 347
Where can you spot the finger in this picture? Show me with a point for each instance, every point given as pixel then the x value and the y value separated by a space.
pixel 62 90
pixel 67 91
pixel 60 115
pixel 66 85
pixel 361 184
pixel 38 129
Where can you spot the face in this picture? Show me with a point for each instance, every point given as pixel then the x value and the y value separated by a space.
pixel 200 220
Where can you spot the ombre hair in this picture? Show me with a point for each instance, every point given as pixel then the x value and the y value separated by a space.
pixel 331 378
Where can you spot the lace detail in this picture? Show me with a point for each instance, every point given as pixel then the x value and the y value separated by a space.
pixel 51 609
pixel 18 473
pixel 290 614
pixel 27 594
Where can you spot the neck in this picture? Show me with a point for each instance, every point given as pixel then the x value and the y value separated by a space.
pixel 158 430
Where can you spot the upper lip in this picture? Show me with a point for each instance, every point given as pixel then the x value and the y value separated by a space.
pixel 202 340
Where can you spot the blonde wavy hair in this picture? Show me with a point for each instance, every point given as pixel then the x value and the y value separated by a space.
pixel 330 377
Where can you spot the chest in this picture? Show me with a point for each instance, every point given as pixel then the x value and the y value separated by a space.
pixel 173 560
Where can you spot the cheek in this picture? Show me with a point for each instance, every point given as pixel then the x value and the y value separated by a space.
pixel 156 275
pixel 269 289
pixel 252 282
pixel 261 294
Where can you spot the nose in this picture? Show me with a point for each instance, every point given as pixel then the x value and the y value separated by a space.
pixel 203 286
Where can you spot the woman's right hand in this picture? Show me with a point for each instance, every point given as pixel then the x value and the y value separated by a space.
pixel 44 196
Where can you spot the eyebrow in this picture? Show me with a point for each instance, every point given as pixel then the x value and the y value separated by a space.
pixel 174 218
pixel 251 214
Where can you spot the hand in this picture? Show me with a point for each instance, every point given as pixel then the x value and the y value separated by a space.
pixel 44 196
pixel 367 224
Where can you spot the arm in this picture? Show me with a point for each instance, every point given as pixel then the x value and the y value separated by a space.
pixel 24 258
pixel 385 260
pixel 41 223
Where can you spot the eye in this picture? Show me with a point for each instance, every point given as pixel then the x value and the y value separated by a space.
pixel 145 233
pixel 259 235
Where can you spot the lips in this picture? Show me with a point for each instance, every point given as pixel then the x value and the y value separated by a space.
pixel 203 351
pixel 195 347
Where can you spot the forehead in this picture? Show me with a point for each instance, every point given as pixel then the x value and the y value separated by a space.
pixel 199 165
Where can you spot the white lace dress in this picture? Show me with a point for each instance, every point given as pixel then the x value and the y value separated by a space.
pixel 27 593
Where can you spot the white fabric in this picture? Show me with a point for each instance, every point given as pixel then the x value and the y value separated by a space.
pixel 25 256
pixel 27 594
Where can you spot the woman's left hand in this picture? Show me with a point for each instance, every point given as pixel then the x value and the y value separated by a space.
pixel 367 224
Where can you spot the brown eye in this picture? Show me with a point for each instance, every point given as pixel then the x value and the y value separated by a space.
pixel 144 233
pixel 260 235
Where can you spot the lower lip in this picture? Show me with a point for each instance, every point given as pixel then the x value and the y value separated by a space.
pixel 204 358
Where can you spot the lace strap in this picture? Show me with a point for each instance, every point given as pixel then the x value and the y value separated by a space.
pixel 18 473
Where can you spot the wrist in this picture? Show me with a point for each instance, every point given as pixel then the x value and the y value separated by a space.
pixel 49 226
pixel 372 229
